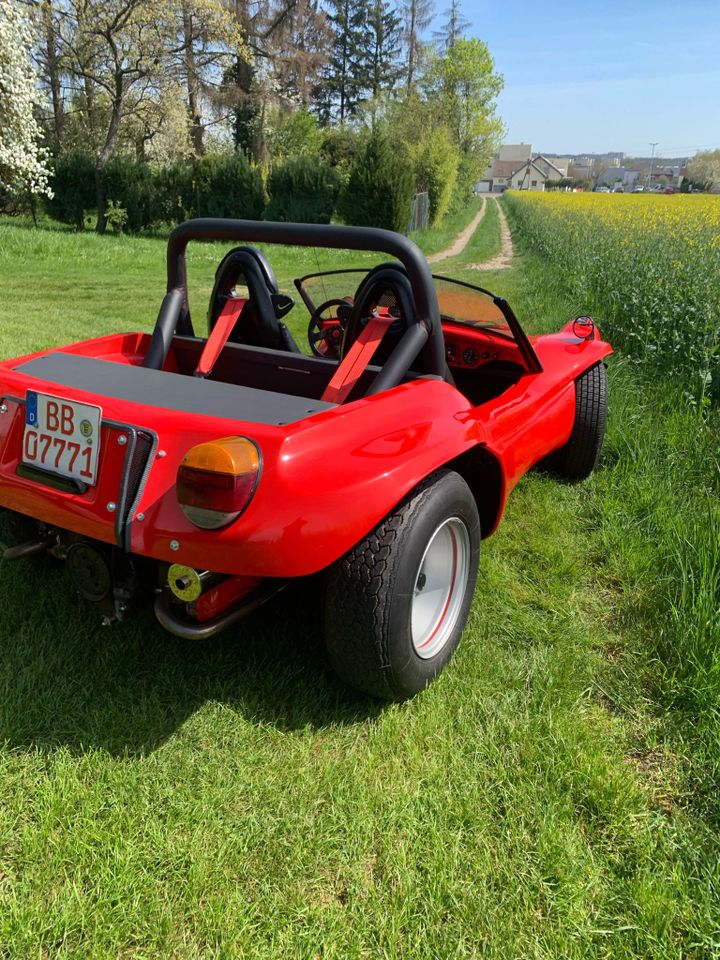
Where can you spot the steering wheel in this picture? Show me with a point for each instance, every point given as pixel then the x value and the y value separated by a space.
pixel 330 336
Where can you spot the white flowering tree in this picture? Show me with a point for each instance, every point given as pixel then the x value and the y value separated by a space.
pixel 23 161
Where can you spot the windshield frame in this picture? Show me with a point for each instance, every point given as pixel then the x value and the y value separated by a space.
pixel 519 337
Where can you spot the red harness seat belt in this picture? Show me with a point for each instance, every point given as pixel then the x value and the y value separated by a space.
pixel 219 336
pixel 357 358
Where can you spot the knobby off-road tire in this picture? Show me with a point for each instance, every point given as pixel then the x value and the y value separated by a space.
pixel 579 457
pixel 390 627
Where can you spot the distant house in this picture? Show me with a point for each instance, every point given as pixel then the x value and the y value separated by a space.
pixel 581 171
pixel 515 152
pixel 514 166
pixel 533 175
pixel 674 174
pixel 554 169
pixel 509 158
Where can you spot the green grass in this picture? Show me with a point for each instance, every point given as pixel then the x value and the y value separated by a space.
pixel 433 239
pixel 159 799
pixel 484 244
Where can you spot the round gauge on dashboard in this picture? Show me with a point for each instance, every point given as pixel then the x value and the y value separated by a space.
pixel 471 356
pixel 451 351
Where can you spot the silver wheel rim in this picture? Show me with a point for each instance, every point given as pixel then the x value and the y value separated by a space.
pixel 440 585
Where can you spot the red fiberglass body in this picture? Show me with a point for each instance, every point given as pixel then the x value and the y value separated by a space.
pixel 334 455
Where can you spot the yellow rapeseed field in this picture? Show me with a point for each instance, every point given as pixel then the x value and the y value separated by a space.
pixel 647 264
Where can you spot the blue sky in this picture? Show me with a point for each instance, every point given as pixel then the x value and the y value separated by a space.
pixel 597 76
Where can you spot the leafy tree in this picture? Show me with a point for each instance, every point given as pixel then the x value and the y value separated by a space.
pixel 23 162
pixel 342 147
pixel 116 48
pixel 285 46
pixel 159 131
pixel 381 186
pixel 436 169
pixel 125 52
pixel 463 87
pixel 294 134
pixel 203 35
pixel 704 169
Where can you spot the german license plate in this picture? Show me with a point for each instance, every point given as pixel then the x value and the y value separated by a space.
pixel 62 436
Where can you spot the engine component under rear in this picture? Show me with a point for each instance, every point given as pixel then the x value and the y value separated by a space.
pixel 90 571
pixel 103 575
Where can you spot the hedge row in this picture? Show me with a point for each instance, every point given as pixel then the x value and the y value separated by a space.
pixel 305 189
pixel 218 186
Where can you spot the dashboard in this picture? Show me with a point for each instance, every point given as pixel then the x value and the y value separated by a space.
pixel 467 349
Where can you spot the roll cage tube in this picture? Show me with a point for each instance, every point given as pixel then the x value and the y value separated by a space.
pixel 174 316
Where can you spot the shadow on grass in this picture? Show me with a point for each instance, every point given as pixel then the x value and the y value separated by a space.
pixel 67 681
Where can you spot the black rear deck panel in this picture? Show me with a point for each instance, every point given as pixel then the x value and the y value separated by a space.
pixel 172 391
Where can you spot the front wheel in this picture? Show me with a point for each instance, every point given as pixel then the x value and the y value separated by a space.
pixel 397 603
pixel 579 457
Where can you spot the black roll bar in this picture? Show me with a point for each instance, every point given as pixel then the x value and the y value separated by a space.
pixel 165 326
pixel 171 320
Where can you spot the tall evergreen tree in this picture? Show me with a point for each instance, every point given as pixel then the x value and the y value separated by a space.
pixel 342 86
pixel 454 27
pixel 417 15
pixel 379 63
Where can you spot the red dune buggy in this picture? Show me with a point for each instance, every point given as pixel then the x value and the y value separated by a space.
pixel 218 468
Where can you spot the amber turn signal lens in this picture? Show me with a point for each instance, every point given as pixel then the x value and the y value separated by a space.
pixel 216 481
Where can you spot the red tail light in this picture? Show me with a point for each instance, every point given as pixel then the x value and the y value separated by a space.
pixel 216 481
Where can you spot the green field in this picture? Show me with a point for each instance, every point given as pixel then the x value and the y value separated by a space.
pixel 546 798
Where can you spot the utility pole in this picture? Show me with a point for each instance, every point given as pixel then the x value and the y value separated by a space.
pixel 652 157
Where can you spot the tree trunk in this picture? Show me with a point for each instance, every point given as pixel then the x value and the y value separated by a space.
pixel 196 130
pixel 411 45
pixel 107 152
pixel 101 225
pixel 53 72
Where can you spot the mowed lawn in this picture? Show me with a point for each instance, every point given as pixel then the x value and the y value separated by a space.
pixel 232 799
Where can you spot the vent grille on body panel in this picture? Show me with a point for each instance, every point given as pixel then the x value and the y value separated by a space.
pixel 136 471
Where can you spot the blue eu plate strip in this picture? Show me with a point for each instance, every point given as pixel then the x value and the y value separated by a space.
pixel 31 408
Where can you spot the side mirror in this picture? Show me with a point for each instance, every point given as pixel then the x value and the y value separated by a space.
pixel 584 328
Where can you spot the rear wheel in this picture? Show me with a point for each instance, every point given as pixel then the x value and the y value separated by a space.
pixel 397 603
pixel 579 457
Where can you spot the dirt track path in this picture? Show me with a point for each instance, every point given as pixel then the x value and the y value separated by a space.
pixel 462 239
pixel 502 260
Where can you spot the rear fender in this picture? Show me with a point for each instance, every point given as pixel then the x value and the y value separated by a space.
pixel 326 482
pixel 484 474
